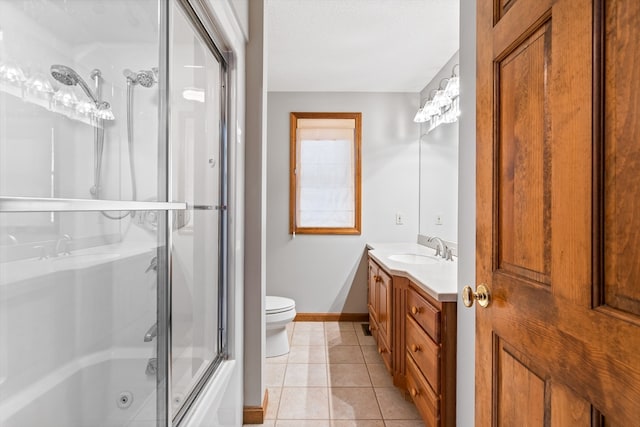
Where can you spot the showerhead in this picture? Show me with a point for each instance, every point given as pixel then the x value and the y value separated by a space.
pixel 65 75
pixel 68 76
pixel 145 78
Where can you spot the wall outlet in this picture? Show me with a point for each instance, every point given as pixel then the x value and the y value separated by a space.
pixel 438 219
pixel 399 218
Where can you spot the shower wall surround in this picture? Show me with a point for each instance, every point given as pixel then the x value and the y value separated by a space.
pixel 113 278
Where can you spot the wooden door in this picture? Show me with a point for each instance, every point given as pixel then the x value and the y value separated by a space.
pixel 558 213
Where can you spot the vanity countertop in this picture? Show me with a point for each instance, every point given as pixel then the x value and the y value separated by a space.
pixel 439 280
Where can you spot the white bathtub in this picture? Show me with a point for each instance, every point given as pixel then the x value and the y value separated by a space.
pixel 87 392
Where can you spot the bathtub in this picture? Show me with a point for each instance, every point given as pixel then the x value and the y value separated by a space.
pixel 103 389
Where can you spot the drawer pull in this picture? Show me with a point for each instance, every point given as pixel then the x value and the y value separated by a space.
pixel 416 310
pixel 415 348
pixel 413 392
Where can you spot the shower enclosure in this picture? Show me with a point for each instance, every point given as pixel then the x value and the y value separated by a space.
pixel 113 187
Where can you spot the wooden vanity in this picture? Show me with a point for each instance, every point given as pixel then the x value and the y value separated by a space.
pixel 416 337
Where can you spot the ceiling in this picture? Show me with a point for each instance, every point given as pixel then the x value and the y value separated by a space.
pixel 358 45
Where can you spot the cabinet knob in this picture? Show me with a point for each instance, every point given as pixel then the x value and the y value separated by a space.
pixel 382 350
pixel 415 348
pixel 415 310
pixel 413 392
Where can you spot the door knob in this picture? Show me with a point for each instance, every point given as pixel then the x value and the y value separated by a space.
pixel 482 296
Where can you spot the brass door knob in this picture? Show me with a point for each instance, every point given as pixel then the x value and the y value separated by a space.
pixel 415 310
pixel 413 392
pixel 415 348
pixel 482 296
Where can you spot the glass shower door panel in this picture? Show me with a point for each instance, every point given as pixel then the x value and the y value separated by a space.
pixel 79 99
pixel 77 316
pixel 195 163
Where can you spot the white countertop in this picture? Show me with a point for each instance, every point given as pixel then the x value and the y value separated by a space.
pixel 439 280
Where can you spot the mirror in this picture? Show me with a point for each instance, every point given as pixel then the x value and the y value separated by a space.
pixel 439 169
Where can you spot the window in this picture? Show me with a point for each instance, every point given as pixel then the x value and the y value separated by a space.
pixel 324 173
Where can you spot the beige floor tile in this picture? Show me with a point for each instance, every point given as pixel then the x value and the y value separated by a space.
pixel 358 423
pixel 300 375
pixel 394 406
pixel 308 338
pixel 308 326
pixel 304 403
pixel 307 354
pixel 353 404
pixel 366 340
pixel 349 375
pixel 403 423
pixel 345 354
pixel 278 359
pixel 274 374
pixel 379 375
pixel 370 354
pixel 338 326
pixel 341 338
pixel 303 423
pixel 274 402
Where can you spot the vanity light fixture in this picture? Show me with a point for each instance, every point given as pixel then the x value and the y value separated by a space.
pixel 443 104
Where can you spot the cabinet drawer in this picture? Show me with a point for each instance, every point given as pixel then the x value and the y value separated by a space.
pixel 425 314
pixel 427 402
pixel 424 351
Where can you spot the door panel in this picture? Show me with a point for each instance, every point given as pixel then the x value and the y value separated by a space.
pixel 524 196
pixel 622 157
pixel 520 392
pixel 558 191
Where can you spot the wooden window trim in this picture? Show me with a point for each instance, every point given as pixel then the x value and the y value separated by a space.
pixel 356 230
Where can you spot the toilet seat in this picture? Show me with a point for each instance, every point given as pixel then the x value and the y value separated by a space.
pixel 275 305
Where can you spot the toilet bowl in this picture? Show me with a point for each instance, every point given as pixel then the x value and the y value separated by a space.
pixel 280 312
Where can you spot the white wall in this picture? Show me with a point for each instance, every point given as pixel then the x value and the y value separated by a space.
pixel 439 170
pixel 327 274
pixel 467 213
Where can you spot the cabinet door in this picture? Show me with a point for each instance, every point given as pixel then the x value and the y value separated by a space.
pixel 384 305
pixel 373 290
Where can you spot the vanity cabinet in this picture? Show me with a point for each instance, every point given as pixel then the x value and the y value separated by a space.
pixel 416 336
pixel 430 356
pixel 380 320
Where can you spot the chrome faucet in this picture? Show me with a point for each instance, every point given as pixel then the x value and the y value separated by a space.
pixel 441 248
pixel 62 246
pixel 151 333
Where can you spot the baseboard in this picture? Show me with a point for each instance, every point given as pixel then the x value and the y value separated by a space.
pixel 255 414
pixel 331 317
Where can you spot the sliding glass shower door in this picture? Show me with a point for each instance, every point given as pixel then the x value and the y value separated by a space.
pixel 112 212
pixel 197 167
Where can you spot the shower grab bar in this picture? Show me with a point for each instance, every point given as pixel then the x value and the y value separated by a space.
pixel 37 204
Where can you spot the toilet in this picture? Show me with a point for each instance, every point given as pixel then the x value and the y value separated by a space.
pixel 280 312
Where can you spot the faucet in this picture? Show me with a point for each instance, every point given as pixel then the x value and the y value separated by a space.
pixel 441 248
pixel 153 265
pixel 152 366
pixel 151 333
pixel 62 246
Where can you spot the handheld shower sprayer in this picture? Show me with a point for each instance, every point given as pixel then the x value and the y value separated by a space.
pixel 69 77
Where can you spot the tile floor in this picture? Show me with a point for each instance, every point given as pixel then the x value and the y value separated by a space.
pixel 333 377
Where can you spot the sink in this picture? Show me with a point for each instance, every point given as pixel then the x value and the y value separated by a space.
pixel 414 259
